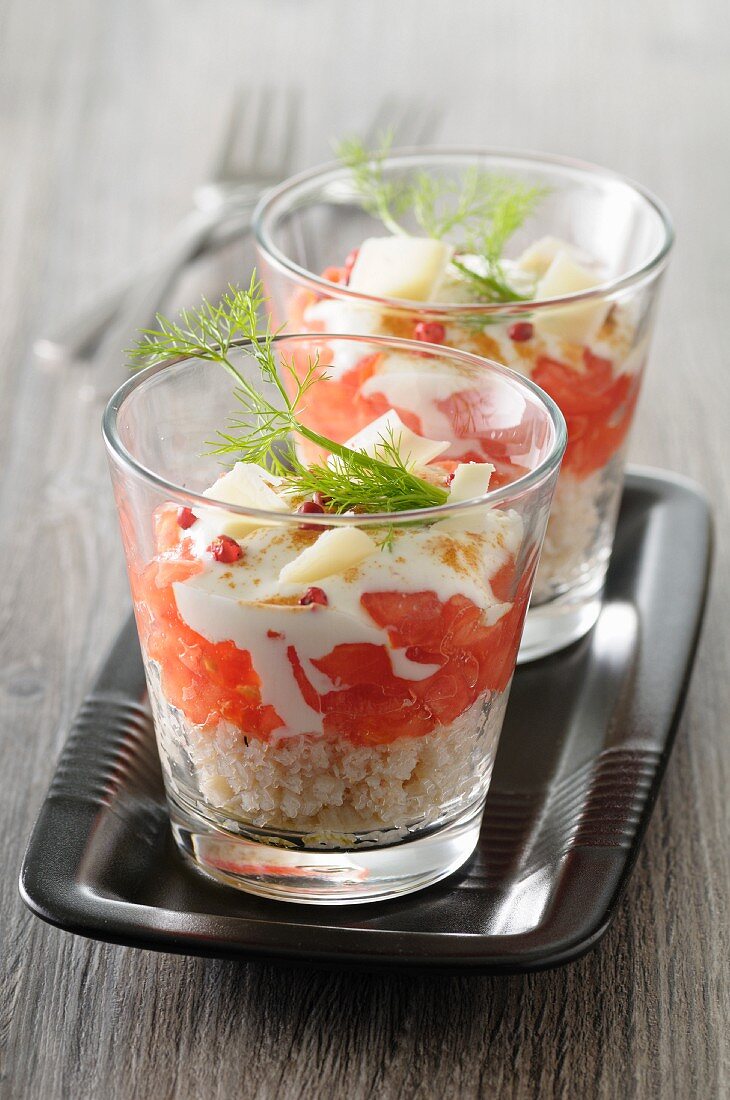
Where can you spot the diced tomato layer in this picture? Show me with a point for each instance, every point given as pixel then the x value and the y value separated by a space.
pixel 598 408
pixel 367 703
pixel 469 412
pixel 339 409
pixel 343 409
pixel 450 635
pixel 207 681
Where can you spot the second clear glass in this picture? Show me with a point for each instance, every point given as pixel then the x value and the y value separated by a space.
pixel 305 230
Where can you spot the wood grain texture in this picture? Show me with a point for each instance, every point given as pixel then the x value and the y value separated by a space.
pixel 108 115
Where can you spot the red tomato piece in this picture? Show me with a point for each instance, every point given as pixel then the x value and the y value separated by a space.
pixel 352 664
pixel 310 696
pixel 598 408
pixel 207 681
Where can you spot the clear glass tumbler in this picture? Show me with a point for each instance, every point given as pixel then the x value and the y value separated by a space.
pixel 587 349
pixel 330 743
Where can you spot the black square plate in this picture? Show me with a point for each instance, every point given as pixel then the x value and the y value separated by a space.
pixel 585 743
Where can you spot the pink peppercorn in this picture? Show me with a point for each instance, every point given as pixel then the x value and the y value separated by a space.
pixel 310 508
pixel 225 549
pixel 521 331
pixel 431 332
pixel 314 595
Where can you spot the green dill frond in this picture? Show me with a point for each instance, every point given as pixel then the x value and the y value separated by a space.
pixel 385 199
pixel 264 433
pixel 510 205
pixel 357 482
pixel 387 539
pixel 479 212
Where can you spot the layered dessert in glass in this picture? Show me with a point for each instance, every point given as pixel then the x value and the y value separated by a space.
pixel 547 266
pixel 327 675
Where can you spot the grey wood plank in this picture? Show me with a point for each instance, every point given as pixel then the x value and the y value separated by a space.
pixel 108 114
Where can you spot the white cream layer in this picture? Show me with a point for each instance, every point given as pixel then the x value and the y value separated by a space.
pixel 241 602
pixel 334 315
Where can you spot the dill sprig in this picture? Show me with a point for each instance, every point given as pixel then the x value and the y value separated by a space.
pixel 483 209
pixel 356 482
pixel 264 433
pixel 385 199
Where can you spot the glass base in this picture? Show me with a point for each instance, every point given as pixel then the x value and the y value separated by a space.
pixel 327 876
pixel 556 625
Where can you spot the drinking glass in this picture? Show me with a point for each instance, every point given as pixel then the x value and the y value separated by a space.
pixel 586 350
pixel 327 743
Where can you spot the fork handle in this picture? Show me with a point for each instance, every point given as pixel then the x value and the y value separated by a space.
pixel 76 339
pixel 139 308
pixel 79 338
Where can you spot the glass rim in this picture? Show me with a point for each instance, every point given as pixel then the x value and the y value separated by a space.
pixel 505 493
pixel 413 155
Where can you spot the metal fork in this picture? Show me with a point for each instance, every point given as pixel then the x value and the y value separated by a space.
pixel 411 122
pixel 255 153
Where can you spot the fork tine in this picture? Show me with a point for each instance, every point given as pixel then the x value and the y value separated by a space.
pixel 411 122
pixel 289 129
pixel 416 122
pixel 381 121
pixel 243 151
pixel 225 154
pixel 400 122
pixel 264 95
pixel 260 136
pixel 426 123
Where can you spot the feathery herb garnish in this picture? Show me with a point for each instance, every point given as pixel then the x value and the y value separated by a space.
pixel 355 481
pixel 385 199
pixel 483 208
pixel 264 434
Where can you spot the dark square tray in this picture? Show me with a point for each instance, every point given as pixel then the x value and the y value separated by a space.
pixel 585 743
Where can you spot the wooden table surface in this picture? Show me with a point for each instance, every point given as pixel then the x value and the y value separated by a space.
pixel 108 116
